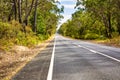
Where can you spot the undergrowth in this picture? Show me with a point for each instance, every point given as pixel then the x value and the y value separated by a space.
pixel 12 33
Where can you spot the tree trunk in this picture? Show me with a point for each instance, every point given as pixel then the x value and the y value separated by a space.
pixel 118 16
pixel 26 4
pixel 15 9
pixel 28 13
pixel 106 29
pixel 118 24
pixel 109 26
pixel 19 11
pixel 11 12
pixel 105 24
pixel 109 20
pixel 35 17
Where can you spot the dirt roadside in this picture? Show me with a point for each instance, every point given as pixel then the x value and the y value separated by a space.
pixel 115 42
pixel 108 42
pixel 14 60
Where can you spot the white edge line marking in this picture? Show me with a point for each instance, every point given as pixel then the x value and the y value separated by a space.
pixel 101 54
pixel 50 72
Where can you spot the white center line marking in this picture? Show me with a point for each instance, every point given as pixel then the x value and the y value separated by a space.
pixel 50 72
pixel 115 59
pixel 79 46
pixel 93 51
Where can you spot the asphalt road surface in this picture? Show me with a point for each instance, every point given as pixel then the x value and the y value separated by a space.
pixel 37 69
pixel 79 60
pixel 73 60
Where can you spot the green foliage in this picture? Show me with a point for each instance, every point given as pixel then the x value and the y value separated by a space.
pixel 9 30
pixel 106 11
pixel 91 36
pixel 47 19
pixel 13 13
pixel 41 27
pixel 83 26
pixel 12 34
pixel 98 19
pixel 43 37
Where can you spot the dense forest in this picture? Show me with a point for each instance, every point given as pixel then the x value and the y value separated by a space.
pixel 97 19
pixel 26 22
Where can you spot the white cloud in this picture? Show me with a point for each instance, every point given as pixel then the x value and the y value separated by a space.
pixel 68 9
pixel 69 6
pixel 65 0
pixel 66 17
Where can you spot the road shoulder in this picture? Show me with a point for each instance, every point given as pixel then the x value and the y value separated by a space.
pixel 12 62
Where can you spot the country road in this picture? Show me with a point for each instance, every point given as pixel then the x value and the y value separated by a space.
pixel 78 60
pixel 74 60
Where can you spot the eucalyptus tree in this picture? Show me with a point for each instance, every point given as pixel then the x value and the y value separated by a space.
pixel 28 10
pixel 35 16
pixel 19 11
pixel 45 16
pixel 5 7
pixel 102 10
pixel 117 13
pixel 95 19
pixel 37 13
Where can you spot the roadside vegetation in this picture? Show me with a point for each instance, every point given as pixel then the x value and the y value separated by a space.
pixel 24 24
pixel 96 20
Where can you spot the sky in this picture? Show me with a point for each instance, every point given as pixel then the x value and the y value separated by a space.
pixel 68 9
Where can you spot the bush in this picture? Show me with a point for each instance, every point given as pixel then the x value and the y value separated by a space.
pixel 9 30
pixel 43 37
pixel 91 36
pixel 13 34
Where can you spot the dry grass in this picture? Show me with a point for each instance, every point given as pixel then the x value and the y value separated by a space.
pixel 11 62
pixel 115 42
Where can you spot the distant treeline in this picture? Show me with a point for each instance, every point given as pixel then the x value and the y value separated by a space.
pixel 98 19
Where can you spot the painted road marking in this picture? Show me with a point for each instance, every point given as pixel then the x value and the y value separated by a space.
pixel 93 51
pixel 115 59
pixel 79 46
pixel 50 72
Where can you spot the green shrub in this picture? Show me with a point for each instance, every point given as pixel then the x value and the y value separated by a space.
pixel 12 34
pixel 43 37
pixel 91 36
pixel 9 30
